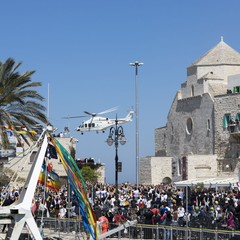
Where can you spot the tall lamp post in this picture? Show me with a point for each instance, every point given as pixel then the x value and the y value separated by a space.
pixel 136 65
pixel 116 135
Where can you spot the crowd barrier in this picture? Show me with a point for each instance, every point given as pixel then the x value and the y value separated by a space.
pixel 143 231
pixel 74 229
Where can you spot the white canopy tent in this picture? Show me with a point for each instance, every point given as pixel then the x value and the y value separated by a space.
pixel 209 182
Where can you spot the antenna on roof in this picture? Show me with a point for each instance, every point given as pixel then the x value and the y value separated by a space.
pixel 221 38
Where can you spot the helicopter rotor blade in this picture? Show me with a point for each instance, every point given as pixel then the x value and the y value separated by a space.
pixel 100 113
pixel 108 110
pixel 73 117
pixel 92 114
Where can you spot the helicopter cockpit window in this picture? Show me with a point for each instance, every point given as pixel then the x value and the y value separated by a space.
pixel 85 125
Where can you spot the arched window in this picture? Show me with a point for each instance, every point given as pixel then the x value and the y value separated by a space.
pixel 192 91
pixel 189 126
pixel 208 124
pixel 172 136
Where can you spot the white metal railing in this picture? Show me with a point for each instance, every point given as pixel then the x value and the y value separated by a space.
pixel 73 229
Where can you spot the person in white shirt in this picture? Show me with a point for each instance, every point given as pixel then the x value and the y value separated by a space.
pixel 62 212
pixel 180 193
pixel 149 203
pixel 181 214
pixel 163 197
pixel 98 193
pixel 136 193
pixel 122 200
pixel 61 215
pixel 112 201
pixel 103 194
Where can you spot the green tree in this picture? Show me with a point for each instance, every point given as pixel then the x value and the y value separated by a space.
pixel 20 104
pixel 89 174
pixel 72 152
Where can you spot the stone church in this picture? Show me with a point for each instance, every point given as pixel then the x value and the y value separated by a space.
pixel 201 138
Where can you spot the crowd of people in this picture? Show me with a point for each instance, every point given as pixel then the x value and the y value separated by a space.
pixel 168 205
pixel 162 204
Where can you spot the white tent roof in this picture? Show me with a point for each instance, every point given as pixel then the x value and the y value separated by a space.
pixel 209 182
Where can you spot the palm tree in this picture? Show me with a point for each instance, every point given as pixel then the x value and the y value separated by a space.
pixel 20 104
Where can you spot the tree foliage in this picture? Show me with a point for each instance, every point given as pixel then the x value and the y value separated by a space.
pixel 20 104
pixel 6 175
pixel 89 174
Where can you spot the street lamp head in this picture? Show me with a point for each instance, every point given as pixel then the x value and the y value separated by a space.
pixel 109 140
pixel 123 139
pixel 136 64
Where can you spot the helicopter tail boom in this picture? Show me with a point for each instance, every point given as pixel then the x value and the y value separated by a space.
pixel 128 118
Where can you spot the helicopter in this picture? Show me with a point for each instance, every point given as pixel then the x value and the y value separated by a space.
pixel 97 123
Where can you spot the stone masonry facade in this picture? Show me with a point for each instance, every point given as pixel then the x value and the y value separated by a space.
pixel 199 139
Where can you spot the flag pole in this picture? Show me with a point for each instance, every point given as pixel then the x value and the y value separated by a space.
pixel 44 198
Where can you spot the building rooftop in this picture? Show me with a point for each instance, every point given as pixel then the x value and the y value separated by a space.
pixel 222 53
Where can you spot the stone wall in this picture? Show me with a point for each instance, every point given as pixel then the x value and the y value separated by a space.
pixel 228 144
pixel 145 174
pixel 182 141
pixel 160 144
pixel 23 164
pixel 194 143
pixel 202 166
pixel 154 169
pixel 101 174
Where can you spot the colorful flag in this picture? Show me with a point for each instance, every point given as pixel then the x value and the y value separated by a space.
pixel 8 127
pixel 51 152
pixel 22 131
pixel 79 187
pixel 52 181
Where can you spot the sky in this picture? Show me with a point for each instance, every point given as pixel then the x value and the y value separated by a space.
pixel 81 52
